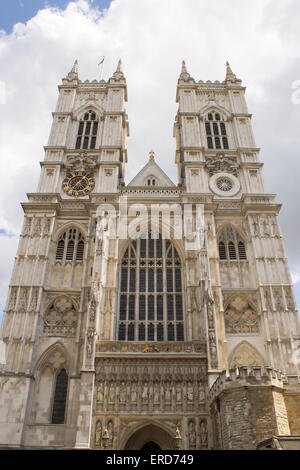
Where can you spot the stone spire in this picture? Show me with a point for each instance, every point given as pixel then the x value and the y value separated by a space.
pixel 184 73
pixel 73 74
pixel 119 72
pixel 230 76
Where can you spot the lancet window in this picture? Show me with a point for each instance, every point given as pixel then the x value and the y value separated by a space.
pixel 231 245
pixel 216 134
pixel 87 131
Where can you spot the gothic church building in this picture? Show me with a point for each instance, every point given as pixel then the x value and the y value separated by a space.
pixel 120 342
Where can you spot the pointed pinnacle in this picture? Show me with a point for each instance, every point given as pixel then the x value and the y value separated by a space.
pixel 75 67
pixel 119 67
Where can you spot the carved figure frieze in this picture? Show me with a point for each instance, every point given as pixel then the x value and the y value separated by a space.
pixel 81 162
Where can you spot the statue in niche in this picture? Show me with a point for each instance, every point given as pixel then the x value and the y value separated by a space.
pixel 203 432
pixel 123 393
pixel 145 393
pixel 110 428
pixel 98 433
pixel 192 434
pixel 134 392
pixel 111 394
pixel 201 395
pixel 156 393
pixel 178 393
pixel 190 393
pixel 100 392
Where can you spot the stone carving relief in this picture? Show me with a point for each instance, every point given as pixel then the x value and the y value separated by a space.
pixel 192 434
pixel 222 164
pixel 61 317
pixel 245 355
pixel 81 162
pixel 278 300
pixel 240 317
pixel 98 433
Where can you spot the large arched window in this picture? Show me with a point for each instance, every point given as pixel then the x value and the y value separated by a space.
pixel 87 131
pixel 60 398
pixel 231 245
pixel 151 303
pixel 70 246
pixel 216 131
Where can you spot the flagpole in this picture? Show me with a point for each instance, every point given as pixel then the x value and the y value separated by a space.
pixel 102 65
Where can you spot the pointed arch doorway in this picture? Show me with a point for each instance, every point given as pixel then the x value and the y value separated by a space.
pixel 150 438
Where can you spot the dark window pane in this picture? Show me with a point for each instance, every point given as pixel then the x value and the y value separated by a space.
pixel 222 251
pixel 132 280
pixel 160 332
pixel 217 117
pixel 80 129
pixel 208 128
pixel 180 336
pixel 151 307
pixel 122 332
pixel 170 305
pixel 80 250
pixel 210 143
pixel 179 313
pixel 218 143
pixel 159 248
pixel 123 303
pixel 78 143
pixel 124 280
pixel 171 332
pixel 210 117
pixel 223 128
pixel 232 251
pixel 216 129
pixel 142 333
pixel 169 280
pixel 143 248
pixel 60 249
pixel 160 308
pixel 178 280
pixel 93 142
pixel 70 250
pixel 159 280
pixel 242 251
pixel 131 332
pixel 95 128
pixel 131 310
pixel 150 280
pixel 142 314
pixel 86 117
pixel 151 248
pixel 142 280
pixel 93 117
pixel 87 128
pixel 225 143
pixel 60 398
pixel 150 332
pixel 86 143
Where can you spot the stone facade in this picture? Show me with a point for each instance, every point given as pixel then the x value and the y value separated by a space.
pixel 119 342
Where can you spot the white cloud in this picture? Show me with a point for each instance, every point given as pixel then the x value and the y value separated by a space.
pixel 260 39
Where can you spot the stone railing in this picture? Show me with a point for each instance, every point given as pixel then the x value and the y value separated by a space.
pixel 123 347
pixel 245 377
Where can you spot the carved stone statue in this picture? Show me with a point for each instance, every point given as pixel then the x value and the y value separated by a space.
pixel 98 433
pixel 203 433
pixel 192 434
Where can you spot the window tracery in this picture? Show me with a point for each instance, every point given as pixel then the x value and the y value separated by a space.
pixel 87 131
pixel 151 302
pixel 231 245
pixel 216 131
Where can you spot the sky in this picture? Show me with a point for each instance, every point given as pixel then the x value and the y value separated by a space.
pixel 39 41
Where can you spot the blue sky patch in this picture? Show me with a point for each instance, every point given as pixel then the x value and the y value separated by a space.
pixel 20 11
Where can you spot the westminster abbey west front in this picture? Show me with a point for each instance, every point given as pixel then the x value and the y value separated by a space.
pixel 153 315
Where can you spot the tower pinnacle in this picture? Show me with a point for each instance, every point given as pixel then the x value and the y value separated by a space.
pixel 230 76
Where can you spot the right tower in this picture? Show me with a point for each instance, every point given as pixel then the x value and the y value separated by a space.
pixel 256 313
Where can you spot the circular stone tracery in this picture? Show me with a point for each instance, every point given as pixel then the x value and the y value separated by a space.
pixel 224 184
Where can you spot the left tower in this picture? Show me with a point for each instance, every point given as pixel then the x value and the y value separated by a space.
pixel 44 378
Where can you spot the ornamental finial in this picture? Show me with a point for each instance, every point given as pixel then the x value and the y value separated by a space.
pixel 151 155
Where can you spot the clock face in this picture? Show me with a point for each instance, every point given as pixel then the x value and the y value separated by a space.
pixel 78 183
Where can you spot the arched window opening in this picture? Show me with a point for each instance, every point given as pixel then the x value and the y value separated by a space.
pixel 231 246
pixel 87 131
pixel 60 398
pixel 215 126
pixel 151 304
pixel 70 246
pixel 151 181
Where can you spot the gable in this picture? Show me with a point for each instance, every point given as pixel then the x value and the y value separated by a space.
pixel 151 175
